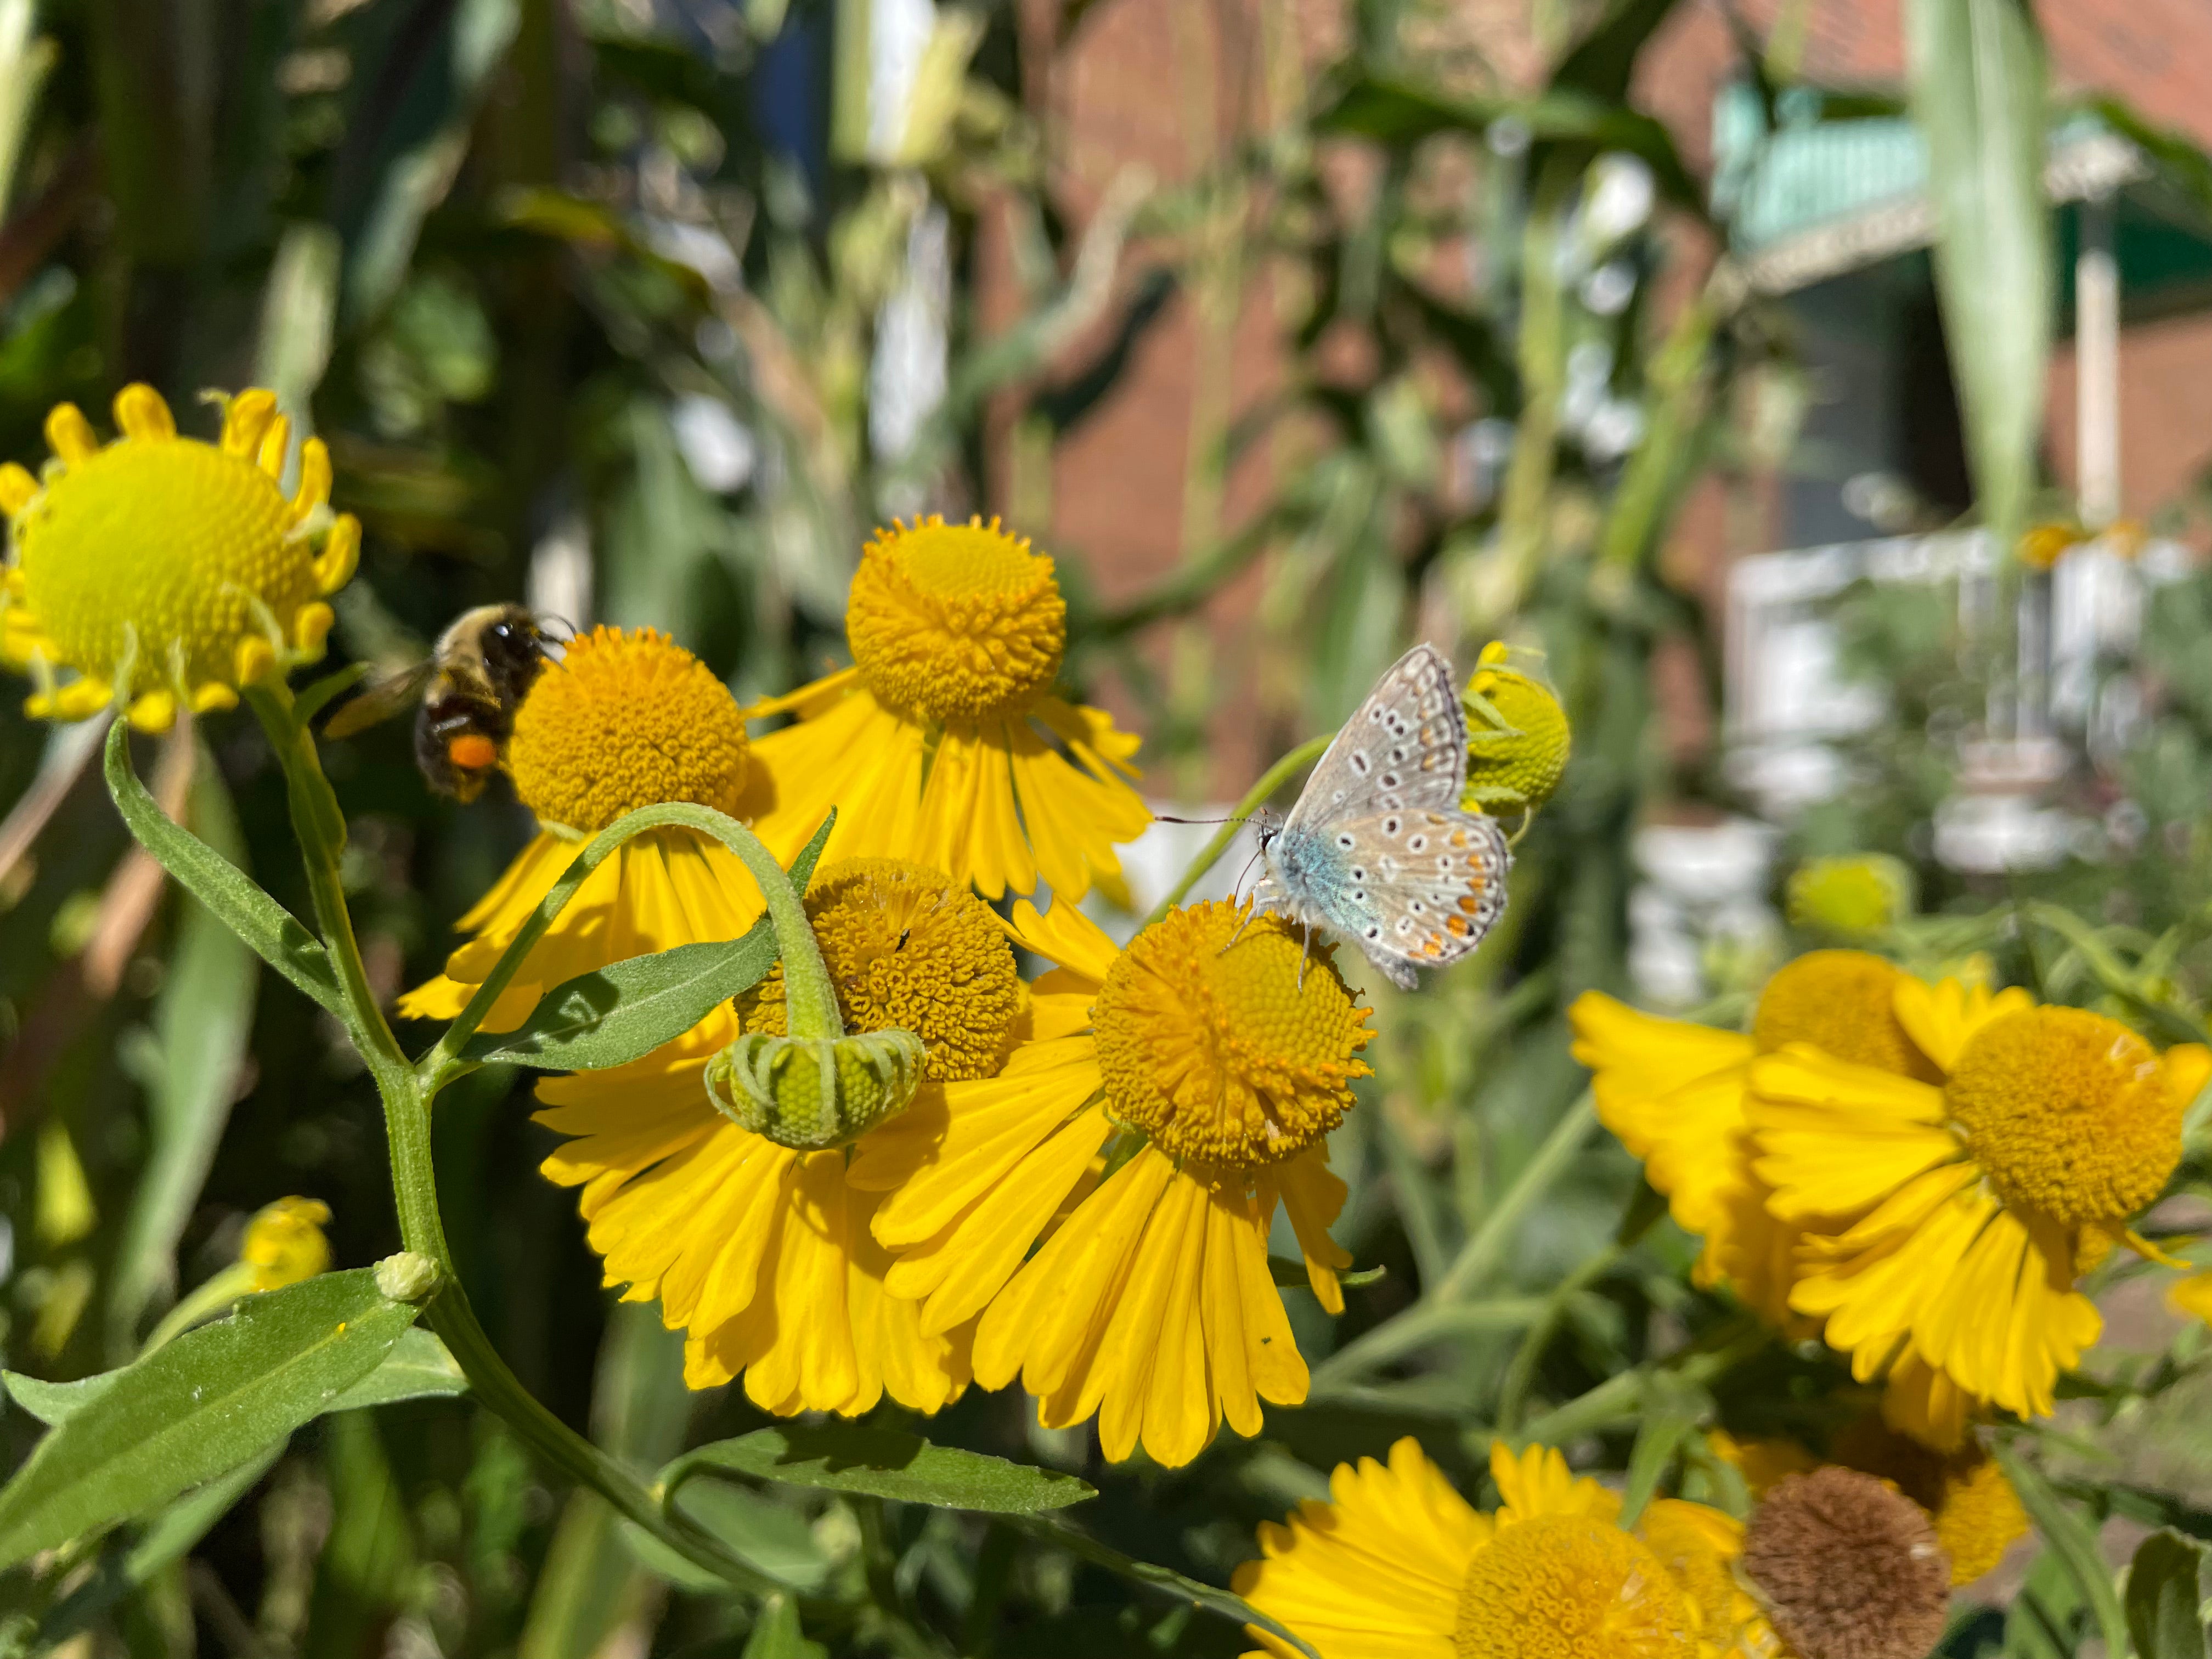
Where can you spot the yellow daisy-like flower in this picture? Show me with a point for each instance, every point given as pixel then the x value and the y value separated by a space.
pixel 1398 1565
pixel 162 573
pixel 624 720
pixel 1674 1092
pixel 1204 1064
pixel 1947 1221
pixel 763 1254
pixel 944 741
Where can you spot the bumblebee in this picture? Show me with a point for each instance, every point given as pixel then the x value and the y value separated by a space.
pixel 468 689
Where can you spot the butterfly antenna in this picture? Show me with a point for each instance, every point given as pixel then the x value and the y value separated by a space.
pixel 1238 817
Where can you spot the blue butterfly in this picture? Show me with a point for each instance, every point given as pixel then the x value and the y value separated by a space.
pixel 1377 848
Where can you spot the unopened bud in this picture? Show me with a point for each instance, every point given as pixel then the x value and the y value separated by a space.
pixel 1517 737
pixel 407 1276
pixel 812 1093
pixel 1853 897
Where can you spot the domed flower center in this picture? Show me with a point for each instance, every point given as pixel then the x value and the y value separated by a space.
pixel 1238 1055
pixel 908 951
pixel 956 622
pixel 1696 1546
pixel 1856 896
pixel 625 720
pixel 1839 1001
pixel 166 570
pixel 1569 1587
pixel 2068 1113
pixel 1848 1568
pixel 1976 1511
pixel 1524 764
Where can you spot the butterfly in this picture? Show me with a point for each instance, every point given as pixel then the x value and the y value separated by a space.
pixel 1377 848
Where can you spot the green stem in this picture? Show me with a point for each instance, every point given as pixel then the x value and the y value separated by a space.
pixel 1479 1256
pixel 2113 974
pixel 407 1096
pixel 443 1063
pixel 1520 1372
pixel 1415 1329
pixel 1254 798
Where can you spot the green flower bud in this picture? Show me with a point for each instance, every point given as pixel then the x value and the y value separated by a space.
pixel 1517 737
pixel 1852 897
pixel 813 1093
pixel 407 1276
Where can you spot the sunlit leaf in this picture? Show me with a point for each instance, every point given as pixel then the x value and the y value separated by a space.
pixel 859 1457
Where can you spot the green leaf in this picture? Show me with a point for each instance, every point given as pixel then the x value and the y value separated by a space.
pixel 778 1635
pixel 2074 1541
pixel 274 933
pixel 889 1463
pixel 417 1368
pixel 1978 96
pixel 166 1538
pixel 55 1402
pixel 1672 1411
pixel 2164 1600
pixel 625 1011
pixel 195 1410
pixel 189 1066
pixel 764 1534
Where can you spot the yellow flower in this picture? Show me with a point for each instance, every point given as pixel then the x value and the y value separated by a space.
pixel 1518 738
pixel 1396 1563
pixel 2042 546
pixel 763 1253
pixel 1674 1092
pixel 1946 1221
pixel 944 741
pixel 626 720
pixel 164 573
pixel 1205 1073
pixel 285 1242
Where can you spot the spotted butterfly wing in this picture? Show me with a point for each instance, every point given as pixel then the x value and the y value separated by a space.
pixel 1376 849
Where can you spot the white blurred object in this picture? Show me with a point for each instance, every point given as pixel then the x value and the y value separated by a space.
pixel 1616 203
pixel 560 580
pixel 1705 887
pixel 1155 861
pixel 907 378
pixel 715 443
pixel 898 35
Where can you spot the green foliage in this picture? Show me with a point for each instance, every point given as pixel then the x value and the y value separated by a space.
pixel 884 1463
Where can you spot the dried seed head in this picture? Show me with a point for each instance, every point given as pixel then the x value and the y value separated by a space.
pixel 1849 1568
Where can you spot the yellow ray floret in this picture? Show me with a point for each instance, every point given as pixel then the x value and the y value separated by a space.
pixel 160 572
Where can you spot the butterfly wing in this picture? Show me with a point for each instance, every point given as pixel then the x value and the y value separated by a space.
pixel 1404 747
pixel 1410 887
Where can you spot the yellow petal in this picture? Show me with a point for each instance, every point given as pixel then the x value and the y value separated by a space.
pixel 245 419
pixel 140 413
pixel 17 488
pixel 1941 1019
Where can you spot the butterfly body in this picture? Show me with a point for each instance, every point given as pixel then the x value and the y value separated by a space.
pixel 1377 848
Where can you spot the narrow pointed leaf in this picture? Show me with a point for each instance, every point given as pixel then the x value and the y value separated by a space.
pixel 276 935
pixel 2165 1598
pixel 2075 1543
pixel 196 1409
pixel 883 1463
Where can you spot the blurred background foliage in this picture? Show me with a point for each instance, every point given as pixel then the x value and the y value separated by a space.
pixel 592 304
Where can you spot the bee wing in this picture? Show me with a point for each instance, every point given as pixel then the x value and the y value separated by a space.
pixel 385 695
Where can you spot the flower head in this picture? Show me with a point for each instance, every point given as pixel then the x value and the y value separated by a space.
pixel 1849 1569
pixel 1213 1067
pixel 1937 1210
pixel 1397 1562
pixel 956 622
pixel 1518 738
pixel 943 742
pixel 907 951
pixel 1216 1040
pixel 625 720
pixel 164 573
pixel 285 1242
pixel 757 1245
